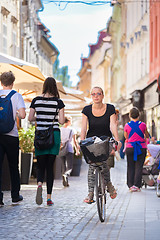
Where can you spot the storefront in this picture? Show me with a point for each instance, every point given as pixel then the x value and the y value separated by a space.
pixel 152 109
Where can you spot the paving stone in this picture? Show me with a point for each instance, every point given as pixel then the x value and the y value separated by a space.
pixel 128 217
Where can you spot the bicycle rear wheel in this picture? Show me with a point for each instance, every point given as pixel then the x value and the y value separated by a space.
pixel 100 194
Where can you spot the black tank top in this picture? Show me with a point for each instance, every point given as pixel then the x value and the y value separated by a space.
pixel 99 126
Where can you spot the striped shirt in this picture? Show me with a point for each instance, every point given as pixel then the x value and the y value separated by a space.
pixel 46 110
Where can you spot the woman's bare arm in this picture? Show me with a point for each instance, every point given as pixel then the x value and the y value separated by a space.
pixel 84 127
pixel 61 116
pixel 32 116
pixel 114 129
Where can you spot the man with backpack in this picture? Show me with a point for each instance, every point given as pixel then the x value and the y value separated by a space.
pixel 11 105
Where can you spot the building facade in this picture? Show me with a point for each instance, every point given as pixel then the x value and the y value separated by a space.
pixel 85 77
pixel 24 36
pixel 35 44
pixel 114 27
pixel 151 95
pixel 132 39
pixel 10 27
pixel 95 70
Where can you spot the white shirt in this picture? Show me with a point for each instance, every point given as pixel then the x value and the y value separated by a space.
pixel 67 135
pixel 17 103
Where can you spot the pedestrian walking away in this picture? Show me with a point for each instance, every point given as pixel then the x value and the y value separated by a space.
pixel 122 139
pixel 100 119
pixel 135 133
pixel 13 107
pixel 47 107
pixel 69 141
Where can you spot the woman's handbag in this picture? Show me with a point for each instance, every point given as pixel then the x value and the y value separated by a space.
pixel 44 139
pixel 64 147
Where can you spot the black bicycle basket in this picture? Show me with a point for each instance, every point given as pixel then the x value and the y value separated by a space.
pixel 96 151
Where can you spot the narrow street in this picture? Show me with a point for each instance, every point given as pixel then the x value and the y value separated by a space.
pixel 130 216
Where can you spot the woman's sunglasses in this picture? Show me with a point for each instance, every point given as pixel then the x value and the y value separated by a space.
pixel 94 94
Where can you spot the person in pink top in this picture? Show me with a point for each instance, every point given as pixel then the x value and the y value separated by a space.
pixel 135 133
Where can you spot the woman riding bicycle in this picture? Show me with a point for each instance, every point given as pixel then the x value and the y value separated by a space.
pixel 100 119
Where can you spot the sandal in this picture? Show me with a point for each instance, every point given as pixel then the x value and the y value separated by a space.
pixel 89 198
pixel 111 190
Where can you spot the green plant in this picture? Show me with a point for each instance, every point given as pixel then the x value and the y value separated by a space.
pixel 26 139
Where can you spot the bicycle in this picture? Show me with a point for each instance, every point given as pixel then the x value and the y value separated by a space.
pixel 95 153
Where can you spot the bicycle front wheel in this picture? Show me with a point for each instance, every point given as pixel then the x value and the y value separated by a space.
pixel 100 194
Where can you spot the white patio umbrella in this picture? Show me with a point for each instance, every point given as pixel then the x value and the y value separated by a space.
pixel 29 81
pixel 28 76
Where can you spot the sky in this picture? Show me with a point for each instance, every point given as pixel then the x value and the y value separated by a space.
pixel 73 29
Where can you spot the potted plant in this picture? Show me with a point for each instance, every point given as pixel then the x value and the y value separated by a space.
pixel 26 142
pixel 77 162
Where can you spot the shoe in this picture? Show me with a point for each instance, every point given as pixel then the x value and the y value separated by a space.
pixel 17 200
pixel 138 189
pixel 65 180
pixel 1 203
pixel 49 202
pixel 158 181
pixel 39 198
pixel 134 189
pixel 89 198
pixel 111 190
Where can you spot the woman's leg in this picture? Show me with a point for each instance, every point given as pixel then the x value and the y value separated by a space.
pixel 130 167
pixel 106 172
pixel 91 178
pixel 91 183
pixel 41 165
pixel 138 168
pixel 68 166
pixel 108 183
pixel 50 175
pixel 69 163
pixel 63 164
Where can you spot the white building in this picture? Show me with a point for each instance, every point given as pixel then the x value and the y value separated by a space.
pixel 137 41
pixel 10 27
pixel 100 62
pixel 135 57
pixel 24 36
pixel 36 47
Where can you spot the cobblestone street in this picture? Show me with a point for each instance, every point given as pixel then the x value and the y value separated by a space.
pixel 129 216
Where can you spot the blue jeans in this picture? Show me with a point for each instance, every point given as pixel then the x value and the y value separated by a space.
pixel 122 154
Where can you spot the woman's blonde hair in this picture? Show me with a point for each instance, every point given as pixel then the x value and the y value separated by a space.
pixel 98 88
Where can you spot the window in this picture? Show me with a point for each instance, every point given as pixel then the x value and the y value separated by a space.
pixel 142 62
pixel 146 58
pixel 4 38
pixel 14 43
pixel 146 6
